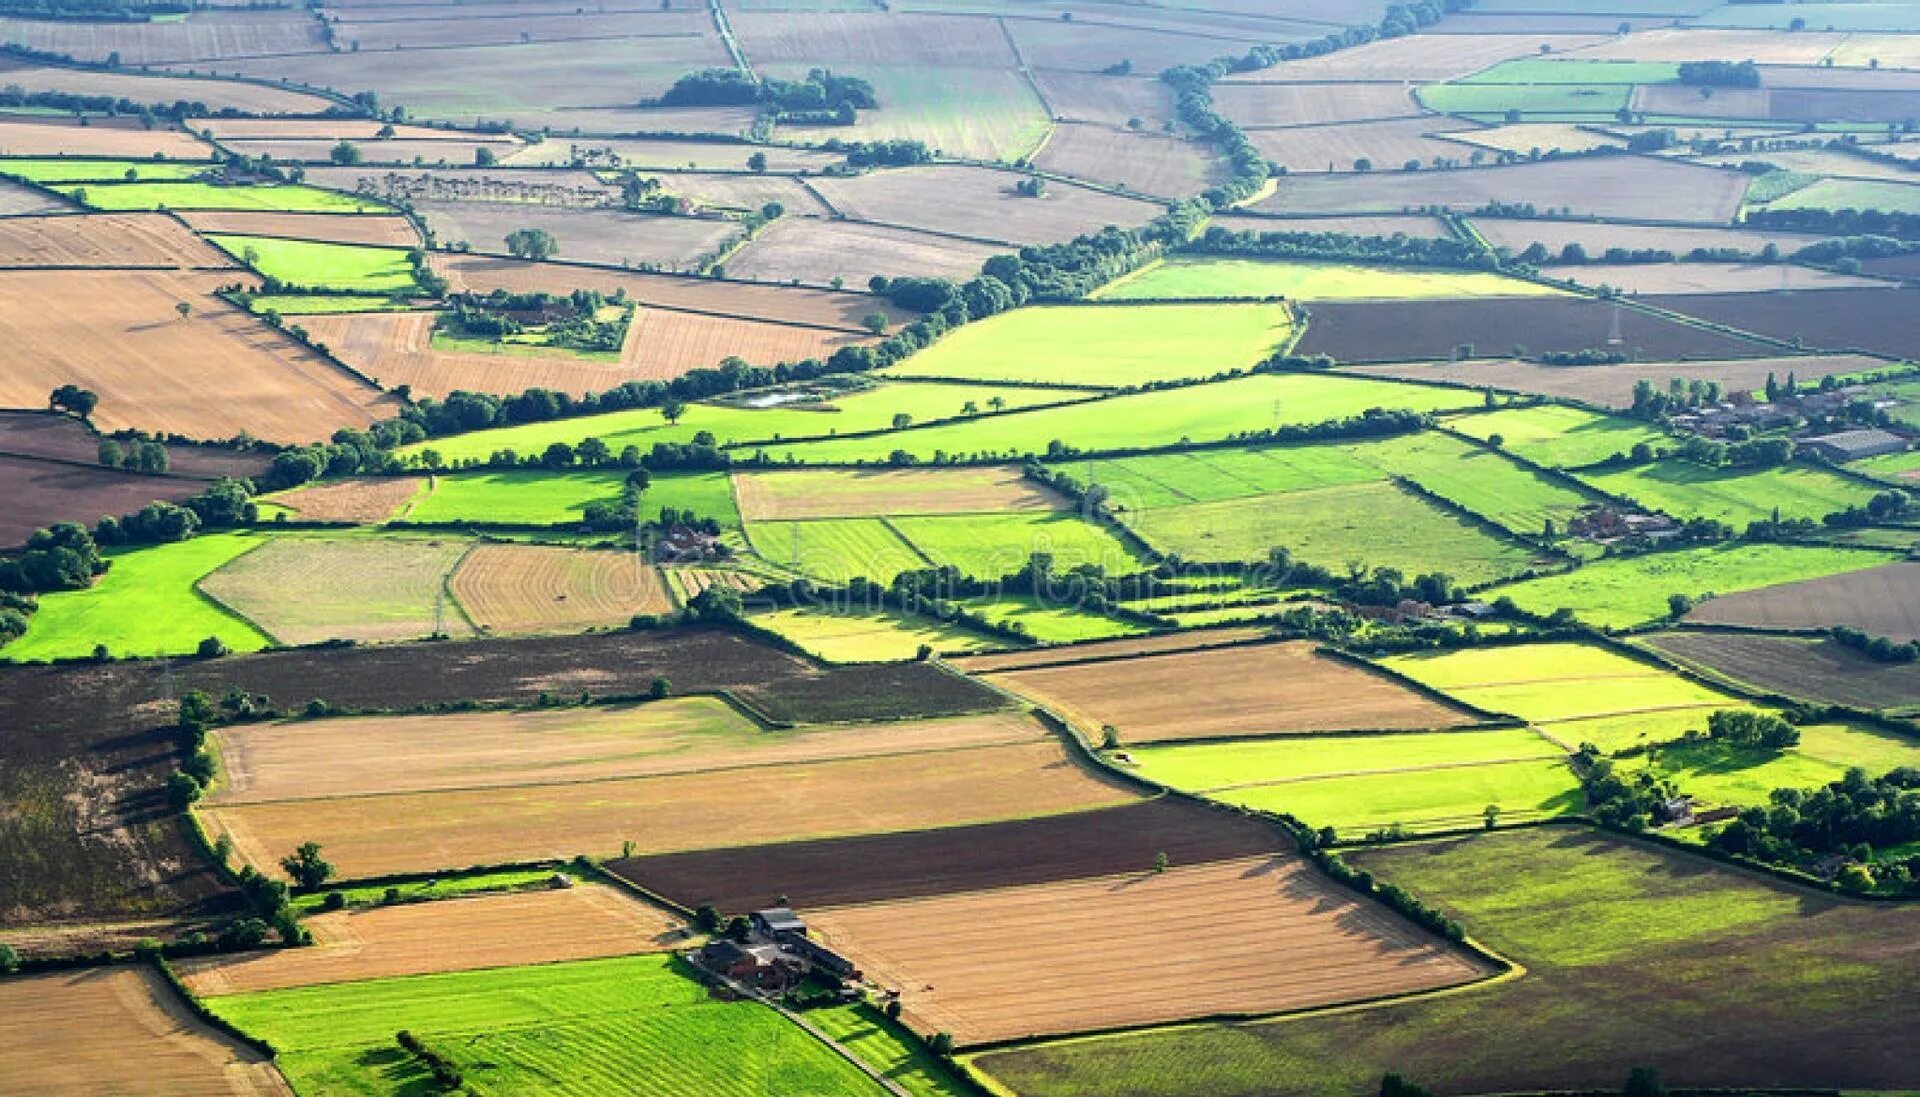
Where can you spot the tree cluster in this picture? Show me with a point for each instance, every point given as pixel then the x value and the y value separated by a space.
pixel 1720 74
pixel 822 97
pixel 1628 803
pixel 1881 649
pixel 1750 730
pixel 1398 248
pixel 1849 818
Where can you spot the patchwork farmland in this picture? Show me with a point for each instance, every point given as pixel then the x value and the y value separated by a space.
pixel 1238 547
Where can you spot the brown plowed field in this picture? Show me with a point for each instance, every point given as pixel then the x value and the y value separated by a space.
pixel 1159 164
pixel 837 493
pixel 1249 690
pixel 1254 106
pixel 1107 100
pixel 64 438
pixel 1817 670
pixel 1419 57
pixel 426 832
pixel 1613 384
pixel 91 1031
pixel 1628 187
pixel 1387 224
pixel 540 588
pixel 1883 321
pixel 40 493
pixel 105 240
pixel 362 502
pixel 349 756
pixel 1517 235
pixel 334 128
pixel 1385 145
pixel 216 374
pixel 775 304
pixel 217 95
pixel 205 35
pixel 354 228
pixel 806 249
pixel 1638 279
pixel 508 26
pixel 613 236
pixel 1105 649
pixel 583 922
pixel 27 135
pixel 1251 936
pixel 884 867
pixel 979 203
pixel 1881 601
pixel 1391 331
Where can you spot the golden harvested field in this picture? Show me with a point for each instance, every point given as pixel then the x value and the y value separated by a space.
pixel 528 927
pixel 363 502
pixel 643 153
pixel 542 588
pixel 331 128
pixel 816 37
pixel 1639 278
pixel 336 228
pixel 807 249
pixel 1256 106
pixel 1682 44
pixel 27 135
pixel 1524 137
pixel 1255 936
pixel 351 755
pixel 669 344
pixel 371 835
pixel 612 236
pixel 205 35
pixel 777 304
pixel 979 203
pixel 1386 224
pixel 849 493
pixel 1263 688
pixel 691 581
pixel 82 1032
pixel 1107 100
pixel 1106 649
pixel 1386 145
pixel 105 240
pixel 1517 235
pixel 303 590
pixel 213 375
pixel 510 25
pixel 1149 163
pixel 1419 57
pixel 217 95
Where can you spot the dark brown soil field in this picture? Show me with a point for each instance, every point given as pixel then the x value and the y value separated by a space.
pixel 1898 266
pixel 40 493
pixel 1881 601
pixel 881 867
pixel 1816 670
pixel 695 660
pixel 1375 331
pixel 63 438
pixel 1885 321
pixel 1627 187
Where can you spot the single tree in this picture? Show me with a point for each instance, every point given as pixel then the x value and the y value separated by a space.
pixel 1490 816
pixel 659 689
pixel 875 322
pixel 483 157
pixel 901 420
pixel 672 410
pixel 532 244
pixel 9 960
pixel 346 153
pixel 75 399
pixel 757 162
pixel 306 866
pixel 1160 862
pixel 184 308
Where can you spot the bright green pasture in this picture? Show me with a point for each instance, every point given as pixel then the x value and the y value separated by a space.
pixel 1624 731
pixel 1198 413
pixel 1554 70
pixel 1559 436
pixel 444 886
pixel 326 266
pixel 881 636
pixel 988 546
pixel 1632 590
pixel 63 170
pixel 146 604
pixel 1478 480
pixel 1554 682
pixel 1310 281
pixel 867 410
pixel 1379 524
pixel 627 1025
pixel 1422 800
pixel 1857 194
pixel 836 549
pixel 1718 774
pixel 1535 102
pixel 1049 624
pixel 1217 767
pixel 888 1048
pixel 1486 666
pixel 322 304
pixel 1902 467
pixel 1211 475
pixel 1734 496
pixel 1108 346
pixel 1592 917
pixel 288 198
pixel 552 498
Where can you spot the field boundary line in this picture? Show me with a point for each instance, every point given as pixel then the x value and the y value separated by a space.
pixel 1381 772
pixel 887 521
pixel 272 640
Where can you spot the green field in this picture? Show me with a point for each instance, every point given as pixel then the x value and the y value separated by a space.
pixel 63 170
pixel 1197 413
pixel 1309 281
pixel 322 304
pixel 1857 194
pixel 1422 800
pixel 1212 475
pixel 210 196
pixel 1632 590
pixel 1221 767
pixel 1901 468
pixel 634 1024
pixel 1111 347
pixel 1737 497
pixel 1474 479
pixel 444 886
pixel 836 549
pixel 146 604
pixel 988 546
pixel 556 498
pixel 975 113
pixel 324 266
pixel 303 589
pixel 1718 774
pixel 1049 623
pixel 866 410
pixel 890 1049
pixel 1378 524
pixel 880 636
pixel 1559 436
pixel 1535 102
pixel 1725 977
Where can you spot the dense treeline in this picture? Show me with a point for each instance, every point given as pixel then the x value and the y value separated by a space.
pixel 821 97
pixel 1720 74
pixel 1398 248
pixel 1841 222
pixel 1847 820
pixel 104 11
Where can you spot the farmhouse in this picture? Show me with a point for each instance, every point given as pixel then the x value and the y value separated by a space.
pixel 1854 445
pixel 766 966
